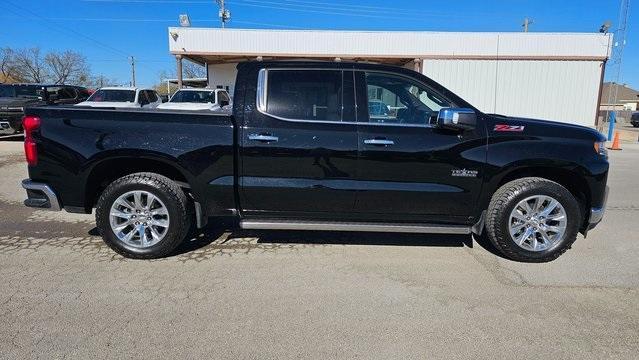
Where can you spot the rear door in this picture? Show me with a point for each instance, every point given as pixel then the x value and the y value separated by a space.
pixel 409 169
pixel 299 147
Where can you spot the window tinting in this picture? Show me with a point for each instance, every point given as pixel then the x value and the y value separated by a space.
pixel 152 96
pixel 398 100
pixel 305 94
pixel 183 96
pixel 113 95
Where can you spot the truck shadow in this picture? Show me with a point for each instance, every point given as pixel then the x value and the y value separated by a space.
pixel 228 240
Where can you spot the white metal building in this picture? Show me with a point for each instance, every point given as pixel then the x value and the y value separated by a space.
pixel 555 76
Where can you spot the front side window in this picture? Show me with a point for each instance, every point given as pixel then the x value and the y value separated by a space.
pixel 113 96
pixel 305 94
pixel 398 100
pixel 152 96
pixel 143 98
pixel 183 96
pixel 224 97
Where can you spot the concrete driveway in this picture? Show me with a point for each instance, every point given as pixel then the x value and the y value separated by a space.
pixel 259 295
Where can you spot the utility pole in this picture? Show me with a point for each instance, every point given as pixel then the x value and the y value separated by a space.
pixel 224 14
pixel 615 65
pixel 527 23
pixel 132 71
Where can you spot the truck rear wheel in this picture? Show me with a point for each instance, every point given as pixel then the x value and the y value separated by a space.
pixel 143 216
pixel 533 219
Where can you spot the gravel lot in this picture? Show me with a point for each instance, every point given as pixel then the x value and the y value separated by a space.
pixel 256 295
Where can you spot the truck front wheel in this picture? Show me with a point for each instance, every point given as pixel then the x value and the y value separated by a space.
pixel 532 219
pixel 143 216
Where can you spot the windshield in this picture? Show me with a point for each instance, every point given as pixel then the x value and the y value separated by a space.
pixel 20 91
pixel 193 97
pixel 104 95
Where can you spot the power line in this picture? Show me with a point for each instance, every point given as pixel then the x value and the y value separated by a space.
pixel 63 28
pixel 309 7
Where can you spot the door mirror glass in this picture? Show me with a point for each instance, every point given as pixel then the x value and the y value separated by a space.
pixel 454 118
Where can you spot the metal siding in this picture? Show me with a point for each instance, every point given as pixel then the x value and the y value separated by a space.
pixel 386 43
pixel 473 80
pixel 565 91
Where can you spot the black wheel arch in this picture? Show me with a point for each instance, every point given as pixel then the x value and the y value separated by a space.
pixel 571 176
pixel 112 167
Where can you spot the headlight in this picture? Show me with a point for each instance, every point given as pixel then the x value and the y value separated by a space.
pixel 600 148
pixel 15 108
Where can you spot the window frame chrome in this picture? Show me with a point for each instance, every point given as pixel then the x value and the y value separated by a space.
pixel 261 99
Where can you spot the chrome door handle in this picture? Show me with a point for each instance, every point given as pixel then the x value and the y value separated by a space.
pixel 263 137
pixel 384 142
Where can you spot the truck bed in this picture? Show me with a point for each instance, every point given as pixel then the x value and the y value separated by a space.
pixel 78 147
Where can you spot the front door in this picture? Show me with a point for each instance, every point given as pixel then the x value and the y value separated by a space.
pixel 409 169
pixel 299 149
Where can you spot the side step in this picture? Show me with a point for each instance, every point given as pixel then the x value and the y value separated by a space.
pixel 353 226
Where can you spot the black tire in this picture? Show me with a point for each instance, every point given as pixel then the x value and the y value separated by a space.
pixel 176 202
pixel 504 201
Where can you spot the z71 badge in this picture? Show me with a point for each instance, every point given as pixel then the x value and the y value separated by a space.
pixel 514 128
pixel 464 173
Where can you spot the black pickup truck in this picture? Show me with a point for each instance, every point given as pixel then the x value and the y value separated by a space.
pixel 309 147
pixel 15 97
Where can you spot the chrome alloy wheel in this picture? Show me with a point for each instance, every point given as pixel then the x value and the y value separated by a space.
pixel 537 223
pixel 139 219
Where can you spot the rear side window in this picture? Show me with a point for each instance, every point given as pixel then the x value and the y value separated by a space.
pixel 305 94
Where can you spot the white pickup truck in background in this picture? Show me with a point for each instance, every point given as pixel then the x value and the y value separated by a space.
pixel 123 97
pixel 199 99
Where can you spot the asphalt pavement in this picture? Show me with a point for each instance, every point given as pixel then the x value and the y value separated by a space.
pixel 232 294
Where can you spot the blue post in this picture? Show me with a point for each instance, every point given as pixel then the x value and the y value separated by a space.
pixel 611 125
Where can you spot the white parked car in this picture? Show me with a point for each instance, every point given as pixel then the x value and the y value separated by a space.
pixel 123 97
pixel 199 99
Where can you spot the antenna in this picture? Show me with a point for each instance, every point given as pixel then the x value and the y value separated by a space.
pixel 224 14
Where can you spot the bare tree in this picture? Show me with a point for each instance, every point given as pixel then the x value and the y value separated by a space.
pixel 192 70
pixel 29 66
pixel 99 81
pixel 6 65
pixel 68 67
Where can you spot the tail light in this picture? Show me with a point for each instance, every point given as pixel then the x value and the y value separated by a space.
pixel 30 124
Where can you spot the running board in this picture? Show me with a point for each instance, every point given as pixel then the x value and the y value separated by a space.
pixel 353 226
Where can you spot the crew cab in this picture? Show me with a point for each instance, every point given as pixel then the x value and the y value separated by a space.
pixel 301 152
pixel 15 97
pixel 123 97
pixel 198 99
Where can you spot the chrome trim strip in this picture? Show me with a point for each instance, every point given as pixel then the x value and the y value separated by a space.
pixel 342 226
pixel 597 213
pixel 48 192
pixel 200 221
pixel 262 99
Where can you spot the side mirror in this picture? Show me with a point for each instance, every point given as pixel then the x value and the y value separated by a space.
pixel 223 103
pixel 457 119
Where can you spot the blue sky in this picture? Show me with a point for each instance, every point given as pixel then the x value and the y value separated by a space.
pixel 107 31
